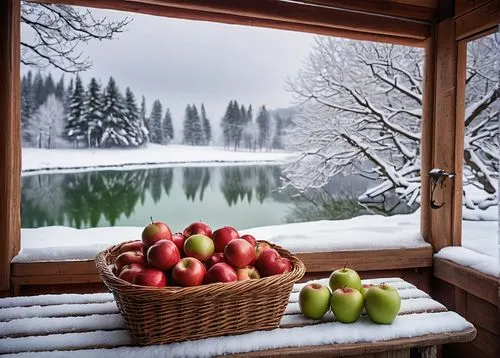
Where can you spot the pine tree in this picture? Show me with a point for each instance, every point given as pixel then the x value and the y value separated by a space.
pixel 48 87
pixel 248 135
pixel 26 108
pixel 207 128
pixel 278 133
pixel 144 119
pixel 226 125
pixel 196 128
pixel 116 129
pixel 76 129
pixel 60 91
pixel 37 90
pixel 155 123
pixel 264 124
pixel 137 130
pixel 67 97
pixel 93 115
pixel 49 119
pixel 168 128
pixel 187 126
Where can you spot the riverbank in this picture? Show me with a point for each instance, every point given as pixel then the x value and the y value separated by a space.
pixel 36 161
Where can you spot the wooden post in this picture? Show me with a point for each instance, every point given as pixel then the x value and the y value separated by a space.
pixel 10 137
pixel 445 138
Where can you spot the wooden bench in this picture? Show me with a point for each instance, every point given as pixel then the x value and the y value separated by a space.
pixel 78 323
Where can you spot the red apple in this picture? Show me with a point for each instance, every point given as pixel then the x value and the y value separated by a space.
pixel 215 259
pixel 271 263
pixel 250 240
pixel 247 273
pixel 220 272
pixel 163 255
pixel 199 246
pixel 129 257
pixel 260 248
pixel 189 272
pixel 155 232
pixel 197 228
pixel 222 236
pixel 150 277
pixel 130 271
pixel 136 245
pixel 239 253
pixel 178 239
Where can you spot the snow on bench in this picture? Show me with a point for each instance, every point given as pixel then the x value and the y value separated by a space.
pixel 92 326
pixel 486 264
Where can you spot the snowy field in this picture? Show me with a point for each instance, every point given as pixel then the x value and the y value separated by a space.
pixel 360 233
pixel 64 160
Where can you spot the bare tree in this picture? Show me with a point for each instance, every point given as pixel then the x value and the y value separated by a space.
pixel 361 113
pixel 54 32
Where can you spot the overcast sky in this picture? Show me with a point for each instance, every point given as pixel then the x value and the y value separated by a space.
pixel 181 62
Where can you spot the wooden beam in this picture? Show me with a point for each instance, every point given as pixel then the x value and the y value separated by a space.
pixel 382 7
pixel 479 19
pixel 427 134
pixel 464 6
pixel 367 260
pixel 277 15
pixel 54 268
pixel 469 280
pixel 10 137
pixel 444 133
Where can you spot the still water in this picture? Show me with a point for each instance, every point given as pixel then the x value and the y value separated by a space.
pixel 241 196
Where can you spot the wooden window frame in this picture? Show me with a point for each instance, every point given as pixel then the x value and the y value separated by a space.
pixel 408 24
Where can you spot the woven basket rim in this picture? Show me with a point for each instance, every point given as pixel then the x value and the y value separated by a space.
pixel 202 291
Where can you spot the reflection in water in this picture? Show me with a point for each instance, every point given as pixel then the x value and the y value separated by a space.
pixel 243 196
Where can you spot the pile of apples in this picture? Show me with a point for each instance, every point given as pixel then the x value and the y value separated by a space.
pixel 195 257
pixel 346 297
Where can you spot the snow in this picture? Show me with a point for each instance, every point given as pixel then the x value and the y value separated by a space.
pixel 7 314
pixel 360 233
pixel 46 300
pixel 66 160
pixel 363 330
pixel 472 259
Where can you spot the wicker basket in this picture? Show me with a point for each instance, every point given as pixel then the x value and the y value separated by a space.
pixel 172 314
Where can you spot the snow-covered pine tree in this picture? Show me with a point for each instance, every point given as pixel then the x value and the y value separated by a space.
pixel 93 115
pixel 37 90
pixel 26 109
pixel 226 125
pixel 144 119
pixel 67 97
pixel 76 129
pixel 116 128
pixel 277 142
pixel 155 123
pixel 188 126
pixel 60 90
pixel 207 128
pixel 248 135
pixel 49 119
pixel 196 128
pixel 168 128
pixel 48 87
pixel 137 131
pixel 264 126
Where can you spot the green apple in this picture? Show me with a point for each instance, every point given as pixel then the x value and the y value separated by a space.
pixel 199 246
pixel 347 304
pixel 344 277
pixel 382 303
pixel 364 288
pixel 314 300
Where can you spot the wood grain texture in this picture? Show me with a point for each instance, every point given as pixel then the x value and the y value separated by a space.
pixel 277 15
pixel 480 18
pixel 427 134
pixel 464 6
pixel 10 138
pixel 444 132
pixel 367 260
pixel 471 281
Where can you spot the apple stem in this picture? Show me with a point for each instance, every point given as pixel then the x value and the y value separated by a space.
pixel 344 266
pixel 151 219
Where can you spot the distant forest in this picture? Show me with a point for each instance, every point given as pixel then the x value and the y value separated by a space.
pixel 60 115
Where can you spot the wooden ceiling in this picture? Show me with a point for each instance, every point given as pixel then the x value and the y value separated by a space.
pixel 396 21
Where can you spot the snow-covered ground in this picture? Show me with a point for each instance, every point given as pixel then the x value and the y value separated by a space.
pixel 363 232
pixel 41 160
